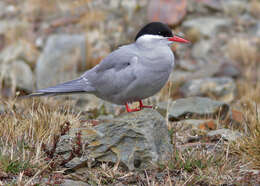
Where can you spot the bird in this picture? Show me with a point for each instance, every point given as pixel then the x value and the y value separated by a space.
pixel 130 73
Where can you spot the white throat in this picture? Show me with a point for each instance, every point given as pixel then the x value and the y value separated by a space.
pixel 150 41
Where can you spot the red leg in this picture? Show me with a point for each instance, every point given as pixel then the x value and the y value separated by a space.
pixel 131 110
pixel 144 106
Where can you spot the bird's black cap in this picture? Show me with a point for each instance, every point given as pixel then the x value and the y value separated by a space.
pixel 155 28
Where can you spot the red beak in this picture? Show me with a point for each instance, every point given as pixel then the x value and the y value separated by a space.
pixel 178 39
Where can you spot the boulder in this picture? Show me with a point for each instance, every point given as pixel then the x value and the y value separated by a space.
pixel 62 56
pixel 137 140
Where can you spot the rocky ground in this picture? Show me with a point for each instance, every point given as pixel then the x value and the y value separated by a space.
pixel 203 130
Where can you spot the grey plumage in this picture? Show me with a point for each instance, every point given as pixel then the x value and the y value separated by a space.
pixel 131 73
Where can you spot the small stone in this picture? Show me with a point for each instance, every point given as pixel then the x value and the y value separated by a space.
pixel 67 182
pixel 195 108
pixel 226 134
pixel 236 117
pixel 207 26
pixel 200 124
pixel 208 125
pixel 223 88
pixel 77 162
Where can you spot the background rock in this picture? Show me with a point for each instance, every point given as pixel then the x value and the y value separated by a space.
pixel 207 70
pixel 223 88
pixel 17 74
pixel 170 12
pixel 207 26
pixel 229 70
pixel 201 50
pixel 194 108
pixel 63 55
pixel 21 50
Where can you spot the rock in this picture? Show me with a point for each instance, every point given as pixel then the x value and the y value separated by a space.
pixel 194 108
pixel 257 30
pixel 207 70
pixel 2 109
pixel 170 12
pixel 21 50
pixel 77 162
pixel 207 26
pixel 228 70
pixel 235 7
pixel 226 134
pixel 12 25
pixel 2 8
pixel 60 182
pixel 63 55
pixel 201 49
pixel 204 6
pixel 189 65
pixel 17 74
pixel 200 124
pixel 223 88
pixel 137 140
pixel 67 182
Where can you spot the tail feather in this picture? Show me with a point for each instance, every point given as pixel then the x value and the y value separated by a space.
pixel 70 87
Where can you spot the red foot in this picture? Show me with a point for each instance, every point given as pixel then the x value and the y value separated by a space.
pixel 141 106
pixel 144 106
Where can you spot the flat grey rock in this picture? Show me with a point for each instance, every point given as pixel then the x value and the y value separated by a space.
pixel 194 108
pixel 223 88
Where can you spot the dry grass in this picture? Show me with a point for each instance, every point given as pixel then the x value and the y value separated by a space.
pixel 24 127
pixel 249 146
pixel 245 52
